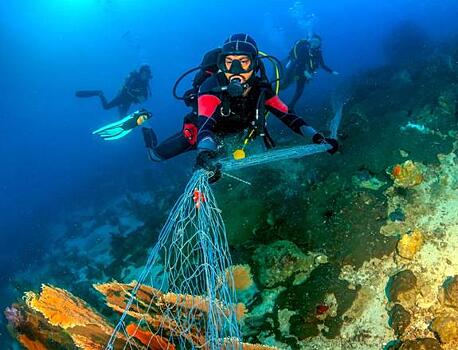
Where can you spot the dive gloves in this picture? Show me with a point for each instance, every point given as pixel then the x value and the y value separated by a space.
pixel 320 139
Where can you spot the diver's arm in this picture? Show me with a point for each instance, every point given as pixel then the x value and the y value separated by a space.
pixel 278 108
pixel 208 117
pixel 206 143
pixel 323 65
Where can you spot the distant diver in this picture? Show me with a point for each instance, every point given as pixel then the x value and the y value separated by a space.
pixel 302 63
pixel 135 89
pixel 234 98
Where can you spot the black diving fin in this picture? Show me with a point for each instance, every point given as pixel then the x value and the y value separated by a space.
pixel 88 93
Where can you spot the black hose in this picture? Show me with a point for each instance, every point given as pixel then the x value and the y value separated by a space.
pixel 182 76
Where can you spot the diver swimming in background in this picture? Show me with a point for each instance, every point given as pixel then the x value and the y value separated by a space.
pixel 134 90
pixel 303 61
pixel 231 101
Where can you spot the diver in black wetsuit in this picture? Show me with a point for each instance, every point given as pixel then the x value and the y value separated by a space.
pixel 303 61
pixel 134 90
pixel 232 101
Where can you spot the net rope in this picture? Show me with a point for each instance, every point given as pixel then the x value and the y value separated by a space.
pixel 273 156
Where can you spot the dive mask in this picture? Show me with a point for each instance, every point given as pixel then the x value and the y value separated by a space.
pixel 236 66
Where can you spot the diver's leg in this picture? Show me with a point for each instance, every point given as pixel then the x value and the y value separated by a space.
pixel 88 93
pixel 171 147
pixel 298 93
pixel 115 102
pixel 288 77
pixel 123 108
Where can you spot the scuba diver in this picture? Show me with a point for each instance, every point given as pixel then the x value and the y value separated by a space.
pixel 303 61
pixel 135 89
pixel 231 101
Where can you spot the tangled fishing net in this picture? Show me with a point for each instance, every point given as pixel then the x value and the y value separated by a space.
pixel 190 306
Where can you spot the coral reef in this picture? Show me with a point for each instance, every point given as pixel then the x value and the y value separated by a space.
pixel 399 319
pixel 449 293
pixel 407 175
pixel 446 329
pixel 410 244
pixel 421 344
pixel 281 260
pixel 401 287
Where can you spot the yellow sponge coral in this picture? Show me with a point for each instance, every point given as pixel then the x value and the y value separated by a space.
pixel 410 244
pixel 407 174
pixel 241 275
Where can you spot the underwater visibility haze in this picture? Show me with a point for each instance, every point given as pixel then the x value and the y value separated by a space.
pixel 302 194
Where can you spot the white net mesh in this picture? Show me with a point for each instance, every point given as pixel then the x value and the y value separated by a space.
pixel 191 305
pixel 336 120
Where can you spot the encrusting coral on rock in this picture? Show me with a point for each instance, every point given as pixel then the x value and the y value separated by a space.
pixel 410 244
pixel 446 329
pixel 283 259
pixel 449 293
pixel 408 174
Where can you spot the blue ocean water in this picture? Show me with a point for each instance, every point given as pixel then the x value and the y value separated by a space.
pixel 50 163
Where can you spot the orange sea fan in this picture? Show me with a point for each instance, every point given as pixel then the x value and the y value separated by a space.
pixel 30 344
pixel 64 310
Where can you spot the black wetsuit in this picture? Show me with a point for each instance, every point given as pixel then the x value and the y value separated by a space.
pixel 134 90
pixel 220 115
pixel 302 58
